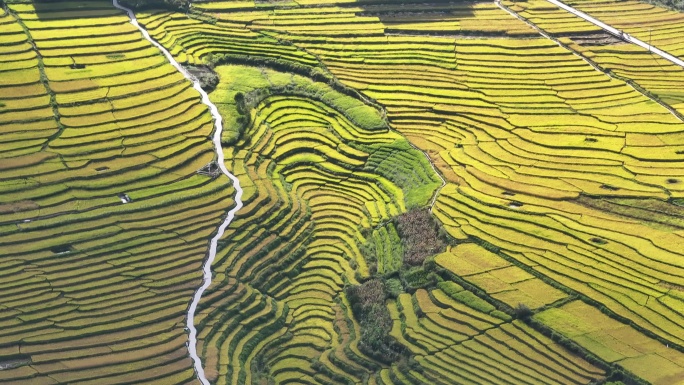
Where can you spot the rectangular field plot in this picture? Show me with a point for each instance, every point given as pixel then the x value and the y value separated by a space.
pixel 616 342
pixel 498 277
pixel 438 335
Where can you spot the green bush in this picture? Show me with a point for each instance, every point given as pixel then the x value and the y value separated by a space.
pixel 393 287
pixel 416 278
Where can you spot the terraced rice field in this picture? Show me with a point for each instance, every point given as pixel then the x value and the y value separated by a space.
pixel 615 342
pixel 627 61
pixel 556 188
pixel 95 290
pixel 532 139
pixel 662 27
pixel 311 177
pixel 455 343
pixel 499 278
pixel 277 308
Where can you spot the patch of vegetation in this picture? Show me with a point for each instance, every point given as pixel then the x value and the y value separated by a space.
pixel 383 250
pixel 404 245
pixel 473 299
pixel 677 5
pixel 368 305
pixel 417 277
pixel 285 66
pixel 398 255
pixel 250 86
pixel 421 234
pixel 393 287
pixel 523 312
pixel 206 76
pixel 651 212
pixel 418 183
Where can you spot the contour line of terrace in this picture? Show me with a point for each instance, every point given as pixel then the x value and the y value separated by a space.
pixel 620 34
pixel 218 123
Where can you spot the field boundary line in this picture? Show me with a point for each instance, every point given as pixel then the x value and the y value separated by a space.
pixel 216 139
pixel 43 76
pixel 596 66
pixel 618 33
pixel 638 88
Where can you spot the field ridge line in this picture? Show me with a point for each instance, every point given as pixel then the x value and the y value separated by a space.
pixel 618 33
pixel 43 76
pixel 636 86
pixel 218 124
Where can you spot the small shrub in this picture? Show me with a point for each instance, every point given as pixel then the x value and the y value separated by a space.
pixel 523 312
pixel 393 287
pixel 416 278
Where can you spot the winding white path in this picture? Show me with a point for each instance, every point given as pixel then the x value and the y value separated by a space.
pixel 218 123
pixel 618 33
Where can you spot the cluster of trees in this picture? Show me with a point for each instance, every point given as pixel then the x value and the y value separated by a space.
pixel 672 4
pixel 422 236
pixel 368 305
pixel 206 76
